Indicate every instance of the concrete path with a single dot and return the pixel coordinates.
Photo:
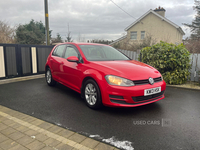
(19, 131)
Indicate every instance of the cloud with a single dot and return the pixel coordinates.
(92, 18)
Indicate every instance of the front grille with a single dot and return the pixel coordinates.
(139, 82)
(157, 79)
(146, 81)
(149, 97)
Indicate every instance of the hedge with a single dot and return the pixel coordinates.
(172, 61)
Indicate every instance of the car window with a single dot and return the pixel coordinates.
(102, 53)
(70, 51)
(59, 50)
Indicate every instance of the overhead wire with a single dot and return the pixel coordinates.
(123, 9)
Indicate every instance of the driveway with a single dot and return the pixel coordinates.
(172, 123)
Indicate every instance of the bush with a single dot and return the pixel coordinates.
(172, 61)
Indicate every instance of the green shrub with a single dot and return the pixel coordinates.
(172, 61)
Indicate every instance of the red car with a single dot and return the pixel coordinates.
(103, 75)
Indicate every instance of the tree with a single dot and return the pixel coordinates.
(6, 33)
(101, 41)
(192, 45)
(69, 37)
(58, 39)
(31, 33)
(195, 26)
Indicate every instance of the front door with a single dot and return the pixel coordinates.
(72, 70)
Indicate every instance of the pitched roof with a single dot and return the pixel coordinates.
(121, 38)
(161, 17)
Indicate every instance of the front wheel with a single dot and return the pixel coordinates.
(92, 94)
(50, 81)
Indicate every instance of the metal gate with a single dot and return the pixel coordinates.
(22, 60)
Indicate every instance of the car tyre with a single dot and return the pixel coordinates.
(50, 81)
(92, 94)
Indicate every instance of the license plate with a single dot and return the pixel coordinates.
(152, 91)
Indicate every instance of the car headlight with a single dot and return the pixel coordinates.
(114, 80)
(162, 77)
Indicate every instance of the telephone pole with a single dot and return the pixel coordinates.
(46, 22)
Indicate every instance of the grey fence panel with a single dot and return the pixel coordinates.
(128, 53)
(195, 67)
(11, 63)
(192, 57)
(198, 68)
(43, 53)
(26, 60)
(135, 55)
(132, 54)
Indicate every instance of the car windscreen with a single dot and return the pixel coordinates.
(102, 53)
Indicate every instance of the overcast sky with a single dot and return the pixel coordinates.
(93, 19)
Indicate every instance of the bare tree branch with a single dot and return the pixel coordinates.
(7, 33)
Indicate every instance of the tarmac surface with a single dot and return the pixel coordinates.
(19, 131)
(172, 123)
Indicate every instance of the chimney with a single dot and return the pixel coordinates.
(160, 11)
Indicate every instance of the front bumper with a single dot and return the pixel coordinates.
(118, 96)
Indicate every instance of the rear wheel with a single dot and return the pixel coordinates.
(50, 81)
(92, 94)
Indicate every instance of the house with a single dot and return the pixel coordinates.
(153, 24)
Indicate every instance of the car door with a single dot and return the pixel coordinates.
(72, 70)
(57, 62)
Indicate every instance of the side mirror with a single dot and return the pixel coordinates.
(73, 59)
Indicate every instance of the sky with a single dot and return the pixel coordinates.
(93, 19)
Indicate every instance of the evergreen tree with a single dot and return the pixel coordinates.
(58, 39)
(31, 33)
(69, 37)
(195, 26)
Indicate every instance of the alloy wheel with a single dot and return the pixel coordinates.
(48, 76)
(90, 94)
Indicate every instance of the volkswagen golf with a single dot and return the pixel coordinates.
(103, 75)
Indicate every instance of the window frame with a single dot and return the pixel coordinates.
(132, 32)
(142, 35)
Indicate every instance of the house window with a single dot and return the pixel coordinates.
(142, 35)
(134, 35)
